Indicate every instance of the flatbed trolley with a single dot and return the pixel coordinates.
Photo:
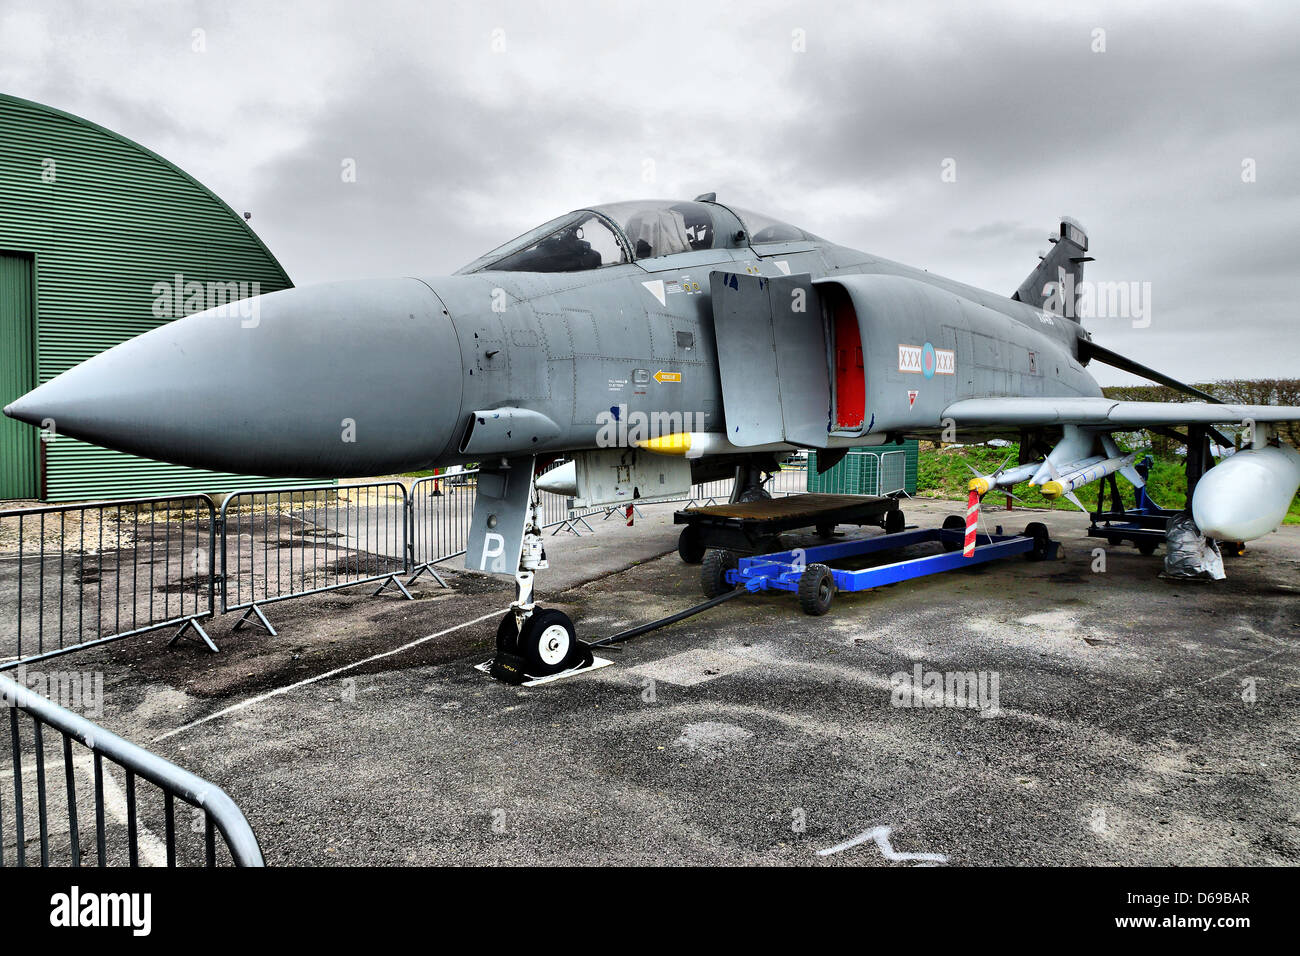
(754, 527)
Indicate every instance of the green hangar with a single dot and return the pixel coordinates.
(100, 240)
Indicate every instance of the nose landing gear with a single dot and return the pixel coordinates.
(533, 641)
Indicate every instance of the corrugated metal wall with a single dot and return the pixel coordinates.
(109, 221)
(17, 375)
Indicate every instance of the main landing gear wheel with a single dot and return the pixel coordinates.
(895, 521)
(954, 523)
(816, 589)
(713, 572)
(689, 546)
(1038, 531)
(753, 494)
(548, 643)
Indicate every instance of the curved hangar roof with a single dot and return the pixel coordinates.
(117, 240)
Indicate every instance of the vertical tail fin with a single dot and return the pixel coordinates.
(1054, 283)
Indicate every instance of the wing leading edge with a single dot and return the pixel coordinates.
(1108, 412)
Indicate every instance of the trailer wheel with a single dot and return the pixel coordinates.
(816, 589)
(1038, 531)
(548, 643)
(1147, 547)
(713, 571)
(689, 546)
(954, 523)
(895, 521)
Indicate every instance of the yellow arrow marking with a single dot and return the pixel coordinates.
(661, 376)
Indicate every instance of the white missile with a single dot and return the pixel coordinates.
(562, 480)
(1247, 494)
(1003, 478)
(1071, 480)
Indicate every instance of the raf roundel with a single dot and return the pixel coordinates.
(927, 360)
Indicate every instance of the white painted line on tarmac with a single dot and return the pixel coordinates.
(328, 674)
(881, 836)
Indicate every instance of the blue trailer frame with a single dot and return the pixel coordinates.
(783, 570)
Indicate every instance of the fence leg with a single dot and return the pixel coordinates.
(192, 622)
(392, 582)
(260, 621)
(433, 571)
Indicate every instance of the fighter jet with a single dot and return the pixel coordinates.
(653, 343)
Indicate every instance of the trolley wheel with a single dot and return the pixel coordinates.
(689, 546)
(508, 635)
(1147, 547)
(713, 571)
(896, 521)
(954, 523)
(1038, 531)
(816, 589)
(548, 643)
(826, 531)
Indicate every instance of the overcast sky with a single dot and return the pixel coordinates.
(471, 122)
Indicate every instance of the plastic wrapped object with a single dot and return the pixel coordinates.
(1190, 554)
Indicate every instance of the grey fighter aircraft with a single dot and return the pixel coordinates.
(654, 343)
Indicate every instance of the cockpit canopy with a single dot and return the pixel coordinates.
(619, 233)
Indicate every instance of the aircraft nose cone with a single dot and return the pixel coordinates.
(346, 379)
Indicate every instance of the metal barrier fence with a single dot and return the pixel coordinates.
(122, 814)
(281, 544)
(891, 475)
(82, 575)
(85, 574)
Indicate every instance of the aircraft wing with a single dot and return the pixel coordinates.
(1109, 412)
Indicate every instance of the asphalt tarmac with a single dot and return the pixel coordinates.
(1083, 717)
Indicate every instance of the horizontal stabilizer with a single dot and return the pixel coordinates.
(1089, 350)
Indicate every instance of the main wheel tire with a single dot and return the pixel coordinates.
(954, 523)
(816, 589)
(753, 494)
(895, 521)
(508, 635)
(548, 643)
(1038, 531)
(689, 546)
(713, 571)
(1147, 547)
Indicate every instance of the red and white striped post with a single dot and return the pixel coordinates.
(972, 521)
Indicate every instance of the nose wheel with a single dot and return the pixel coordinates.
(548, 643)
